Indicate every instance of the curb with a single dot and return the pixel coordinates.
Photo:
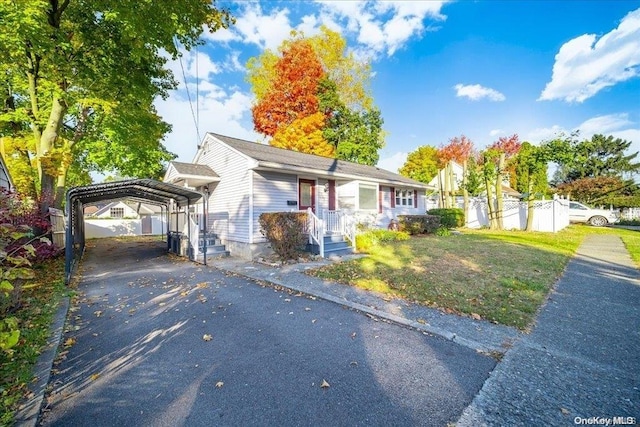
(28, 413)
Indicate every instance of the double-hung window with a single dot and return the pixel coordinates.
(404, 198)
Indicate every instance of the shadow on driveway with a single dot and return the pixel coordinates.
(137, 352)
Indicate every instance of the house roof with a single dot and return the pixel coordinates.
(191, 174)
(194, 169)
(269, 157)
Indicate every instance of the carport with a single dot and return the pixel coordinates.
(172, 197)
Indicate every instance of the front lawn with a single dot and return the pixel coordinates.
(502, 276)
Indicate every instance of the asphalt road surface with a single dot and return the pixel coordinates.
(154, 340)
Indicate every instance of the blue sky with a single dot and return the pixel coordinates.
(484, 69)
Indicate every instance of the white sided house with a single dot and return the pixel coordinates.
(242, 179)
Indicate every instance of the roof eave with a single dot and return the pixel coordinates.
(318, 172)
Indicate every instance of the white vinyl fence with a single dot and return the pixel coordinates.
(630, 213)
(549, 215)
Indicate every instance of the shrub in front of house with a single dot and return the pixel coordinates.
(286, 232)
(365, 241)
(419, 224)
(450, 218)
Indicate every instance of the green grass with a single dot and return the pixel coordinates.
(38, 304)
(502, 276)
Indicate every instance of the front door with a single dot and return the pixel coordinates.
(307, 194)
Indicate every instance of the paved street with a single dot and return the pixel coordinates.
(156, 340)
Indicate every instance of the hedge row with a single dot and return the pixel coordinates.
(450, 218)
(419, 224)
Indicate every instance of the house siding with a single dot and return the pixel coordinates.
(229, 201)
(391, 211)
(171, 174)
(271, 191)
(322, 204)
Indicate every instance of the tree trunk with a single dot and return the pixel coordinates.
(530, 205)
(47, 167)
(440, 190)
(490, 208)
(447, 186)
(499, 199)
(452, 184)
(465, 193)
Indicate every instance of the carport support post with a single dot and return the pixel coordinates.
(205, 209)
(188, 219)
(68, 245)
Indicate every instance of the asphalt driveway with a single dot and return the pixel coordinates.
(156, 340)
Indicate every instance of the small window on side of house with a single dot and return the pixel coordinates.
(116, 213)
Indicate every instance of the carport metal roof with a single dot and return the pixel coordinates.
(145, 189)
(151, 190)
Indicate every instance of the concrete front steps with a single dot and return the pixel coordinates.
(215, 249)
(334, 245)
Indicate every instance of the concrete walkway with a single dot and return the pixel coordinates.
(582, 359)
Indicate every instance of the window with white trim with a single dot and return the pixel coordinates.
(116, 212)
(404, 198)
(367, 197)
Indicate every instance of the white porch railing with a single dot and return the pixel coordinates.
(342, 223)
(316, 230)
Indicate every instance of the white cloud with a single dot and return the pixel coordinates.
(496, 132)
(478, 92)
(584, 66)
(232, 62)
(264, 30)
(544, 134)
(618, 125)
(223, 35)
(604, 124)
(383, 26)
(394, 162)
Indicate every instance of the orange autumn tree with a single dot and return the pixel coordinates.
(304, 135)
(458, 150)
(293, 92)
(308, 75)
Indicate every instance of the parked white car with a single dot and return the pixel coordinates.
(596, 217)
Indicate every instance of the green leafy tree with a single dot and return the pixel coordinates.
(590, 158)
(421, 164)
(80, 79)
(531, 175)
(475, 180)
(357, 135)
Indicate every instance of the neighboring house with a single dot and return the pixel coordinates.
(117, 209)
(124, 217)
(245, 179)
(5, 178)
